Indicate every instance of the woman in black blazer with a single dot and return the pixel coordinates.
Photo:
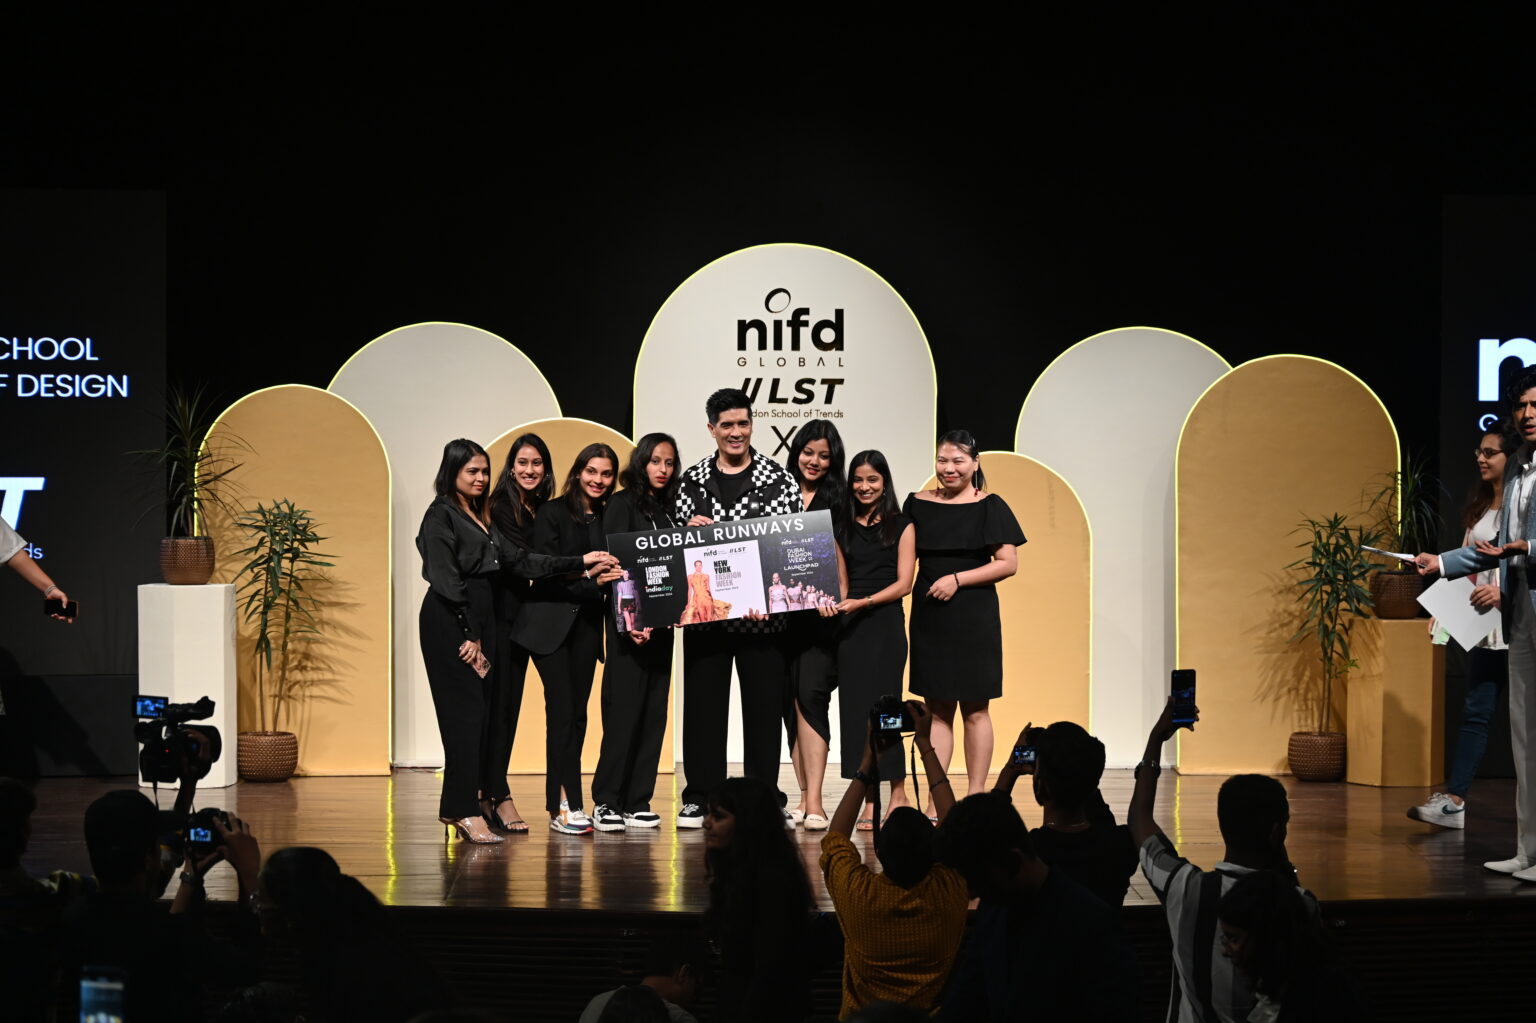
(561, 624)
(527, 481)
(637, 675)
(462, 553)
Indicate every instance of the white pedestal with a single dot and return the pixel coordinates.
(187, 651)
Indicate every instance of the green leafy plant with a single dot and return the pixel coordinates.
(282, 564)
(1406, 508)
(1332, 592)
(196, 476)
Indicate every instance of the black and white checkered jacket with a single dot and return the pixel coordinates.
(770, 491)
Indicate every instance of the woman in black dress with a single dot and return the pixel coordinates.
(881, 555)
(524, 485)
(462, 645)
(561, 624)
(817, 465)
(637, 676)
(967, 541)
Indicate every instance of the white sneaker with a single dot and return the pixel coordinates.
(690, 816)
(565, 823)
(816, 822)
(1441, 809)
(1513, 865)
(643, 819)
(605, 818)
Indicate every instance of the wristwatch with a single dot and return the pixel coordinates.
(862, 778)
(1152, 764)
(190, 877)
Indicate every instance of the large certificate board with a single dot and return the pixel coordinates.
(693, 574)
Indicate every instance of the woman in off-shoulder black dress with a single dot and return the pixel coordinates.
(967, 541)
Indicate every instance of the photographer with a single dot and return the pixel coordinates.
(901, 928)
(1079, 835)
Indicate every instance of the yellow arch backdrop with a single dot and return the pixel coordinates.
(313, 448)
(566, 438)
(1047, 606)
(1272, 442)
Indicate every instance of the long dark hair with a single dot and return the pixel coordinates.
(456, 455)
(1480, 498)
(835, 483)
(507, 488)
(760, 860)
(637, 479)
(963, 440)
(886, 509)
(570, 491)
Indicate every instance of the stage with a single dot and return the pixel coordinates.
(555, 917)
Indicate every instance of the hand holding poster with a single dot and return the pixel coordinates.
(693, 574)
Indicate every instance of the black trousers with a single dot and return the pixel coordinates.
(461, 698)
(567, 677)
(636, 683)
(871, 655)
(501, 722)
(708, 654)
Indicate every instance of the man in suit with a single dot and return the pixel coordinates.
(736, 482)
(1511, 550)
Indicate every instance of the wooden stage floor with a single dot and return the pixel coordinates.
(1350, 843)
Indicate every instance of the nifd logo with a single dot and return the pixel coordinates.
(803, 344)
(15, 489)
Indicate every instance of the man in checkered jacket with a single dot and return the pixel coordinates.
(735, 482)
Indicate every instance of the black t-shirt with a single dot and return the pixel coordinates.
(1101, 857)
(731, 485)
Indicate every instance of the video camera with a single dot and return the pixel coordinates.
(890, 716)
(172, 751)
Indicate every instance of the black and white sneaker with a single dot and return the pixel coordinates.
(605, 818)
(691, 816)
(642, 819)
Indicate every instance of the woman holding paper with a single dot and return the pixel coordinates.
(638, 674)
(1511, 552)
(1488, 662)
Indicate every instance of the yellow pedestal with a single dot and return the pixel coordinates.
(1396, 705)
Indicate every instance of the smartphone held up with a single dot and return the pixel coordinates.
(1183, 690)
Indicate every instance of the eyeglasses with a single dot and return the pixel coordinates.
(1487, 453)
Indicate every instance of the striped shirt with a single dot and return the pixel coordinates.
(899, 943)
(1207, 987)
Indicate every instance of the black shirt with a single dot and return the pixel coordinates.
(731, 485)
(1101, 859)
(871, 565)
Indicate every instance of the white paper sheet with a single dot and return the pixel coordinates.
(1450, 601)
(1388, 554)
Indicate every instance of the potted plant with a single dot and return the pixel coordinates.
(196, 478)
(1332, 592)
(277, 600)
(1407, 511)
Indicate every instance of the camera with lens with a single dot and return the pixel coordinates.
(171, 749)
(890, 716)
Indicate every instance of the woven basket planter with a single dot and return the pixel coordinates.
(1316, 756)
(268, 756)
(1395, 595)
(186, 560)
